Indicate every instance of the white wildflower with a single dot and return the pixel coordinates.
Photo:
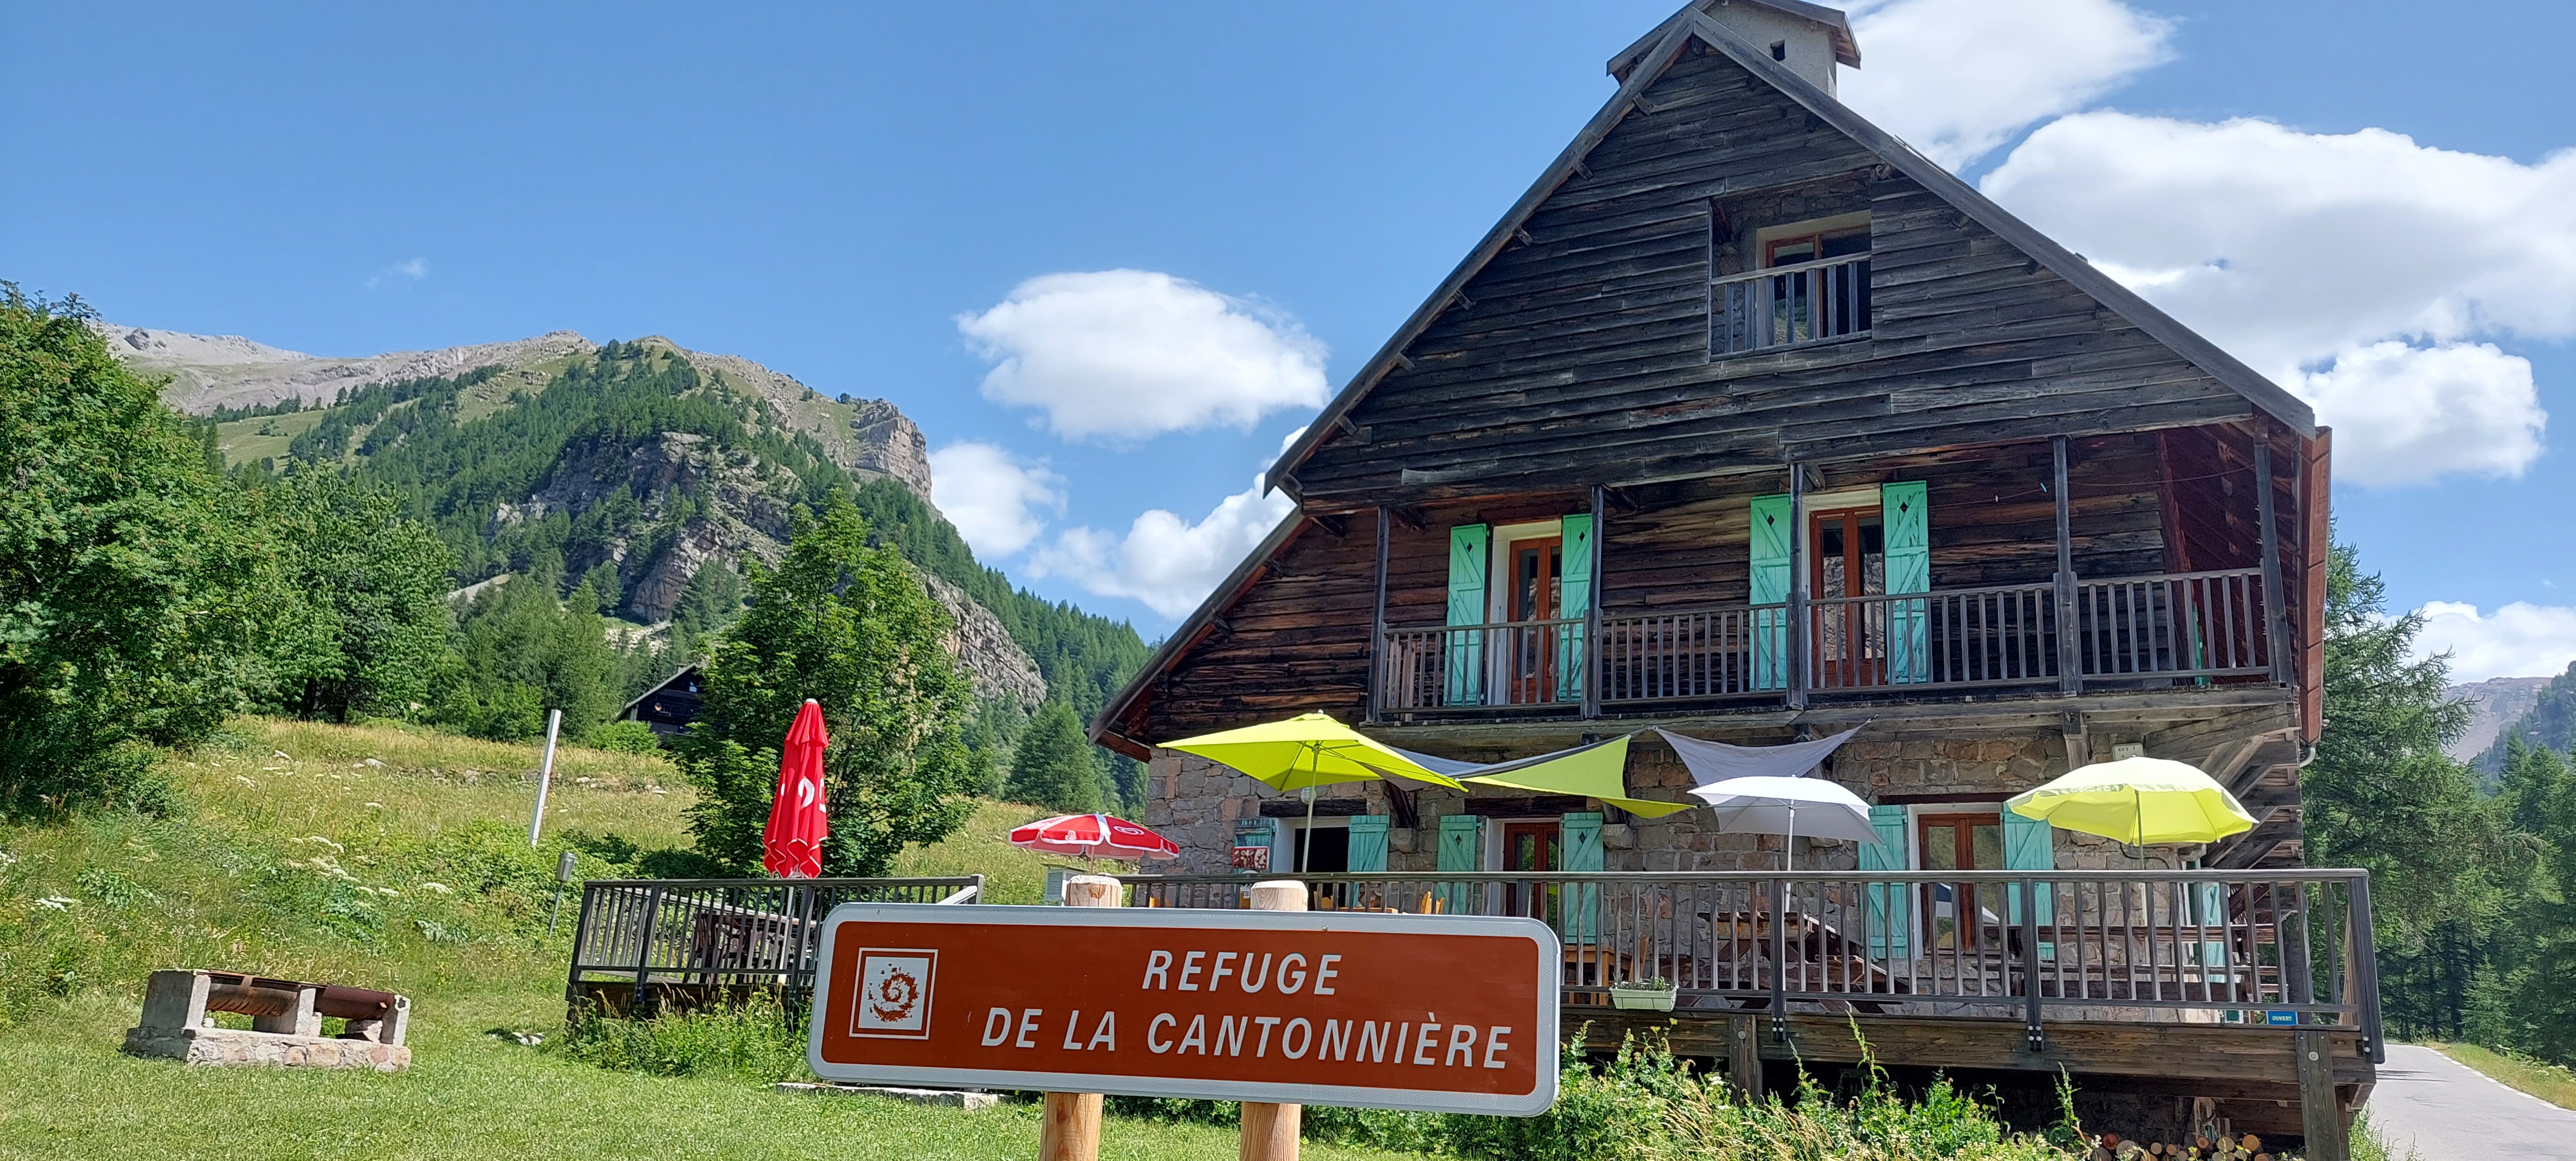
(440, 888)
(375, 762)
(376, 806)
(6, 858)
(281, 755)
(56, 902)
(244, 779)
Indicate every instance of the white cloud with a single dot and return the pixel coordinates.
(409, 271)
(2409, 415)
(1165, 561)
(1122, 355)
(2350, 268)
(993, 499)
(1956, 78)
(2517, 640)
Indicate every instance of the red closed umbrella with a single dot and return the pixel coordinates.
(1094, 836)
(791, 846)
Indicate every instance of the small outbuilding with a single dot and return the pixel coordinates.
(670, 706)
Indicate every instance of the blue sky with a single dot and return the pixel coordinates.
(932, 203)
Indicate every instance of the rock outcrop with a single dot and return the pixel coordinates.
(994, 664)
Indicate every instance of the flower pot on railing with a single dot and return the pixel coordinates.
(1644, 995)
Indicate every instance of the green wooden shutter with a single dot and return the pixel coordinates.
(1461, 849)
(2030, 845)
(2209, 908)
(1580, 848)
(1906, 515)
(1773, 540)
(1368, 844)
(1891, 905)
(1468, 553)
(1574, 599)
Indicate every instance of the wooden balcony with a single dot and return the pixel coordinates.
(1789, 306)
(2099, 634)
(2222, 949)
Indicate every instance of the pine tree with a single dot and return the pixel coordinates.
(849, 626)
(1052, 765)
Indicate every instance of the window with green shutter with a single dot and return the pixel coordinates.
(2030, 845)
(1905, 514)
(1368, 844)
(1774, 539)
(1580, 847)
(1461, 849)
(1469, 546)
(1891, 905)
(1574, 600)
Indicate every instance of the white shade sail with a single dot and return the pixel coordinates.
(1769, 804)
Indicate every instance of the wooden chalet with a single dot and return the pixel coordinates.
(1749, 422)
(670, 706)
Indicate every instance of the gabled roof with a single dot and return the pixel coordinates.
(1667, 43)
(658, 687)
(1190, 631)
(1846, 50)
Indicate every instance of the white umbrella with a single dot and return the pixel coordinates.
(1769, 804)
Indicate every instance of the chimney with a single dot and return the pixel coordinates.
(1807, 39)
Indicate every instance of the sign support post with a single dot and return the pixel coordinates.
(545, 776)
(1270, 1130)
(1070, 1130)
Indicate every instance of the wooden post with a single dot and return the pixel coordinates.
(1071, 1130)
(2320, 1110)
(1377, 626)
(2275, 608)
(1591, 651)
(1270, 1131)
(1744, 1057)
(2070, 654)
(1799, 677)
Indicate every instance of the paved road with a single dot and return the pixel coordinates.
(2446, 1111)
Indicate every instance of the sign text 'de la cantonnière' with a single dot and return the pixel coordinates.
(1430, 1012)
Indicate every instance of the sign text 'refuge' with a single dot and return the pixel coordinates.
(1398, 1011)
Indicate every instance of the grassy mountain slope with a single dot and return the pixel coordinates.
(649, 461)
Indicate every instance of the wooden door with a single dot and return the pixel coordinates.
(1847, 558)
(1531, 846)
(1536, 595)
(1954, 917)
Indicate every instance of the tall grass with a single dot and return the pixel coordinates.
(1644, 1104)
(756, 1040)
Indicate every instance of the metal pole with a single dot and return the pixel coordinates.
(563, 874)
(545, 775)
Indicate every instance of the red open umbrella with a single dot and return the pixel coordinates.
(1094, 836)
(791, 846)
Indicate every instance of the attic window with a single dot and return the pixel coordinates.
(1779, 50)
(1812, 286)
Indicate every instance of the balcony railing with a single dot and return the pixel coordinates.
(727, 932)
(1787, 306)
(2186, 627)
(2258, 947)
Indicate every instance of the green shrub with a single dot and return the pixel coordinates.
(754, 1040)
(625, 737)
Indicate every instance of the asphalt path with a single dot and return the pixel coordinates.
(2443, 1110)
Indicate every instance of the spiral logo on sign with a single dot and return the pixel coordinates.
(894, 995)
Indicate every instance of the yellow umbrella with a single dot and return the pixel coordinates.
(2137, 801)
(1305, 752)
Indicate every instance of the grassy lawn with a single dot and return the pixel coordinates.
(394, 857)
(65, 1092)
(2549, 1082)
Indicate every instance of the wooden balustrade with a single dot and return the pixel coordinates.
(2218, 947)
(2182, 627)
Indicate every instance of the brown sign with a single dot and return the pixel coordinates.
(1440, 1013)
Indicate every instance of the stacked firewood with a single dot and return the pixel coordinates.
(2206, 1148)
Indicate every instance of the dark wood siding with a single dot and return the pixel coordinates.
(1581, 355)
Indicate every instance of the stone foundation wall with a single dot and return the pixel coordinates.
(235, 1046)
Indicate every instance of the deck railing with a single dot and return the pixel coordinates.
(2178, 627)
(1787, 306)
(727, 932)
(2221, 947)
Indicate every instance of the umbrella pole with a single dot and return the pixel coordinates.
(1307, 857)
